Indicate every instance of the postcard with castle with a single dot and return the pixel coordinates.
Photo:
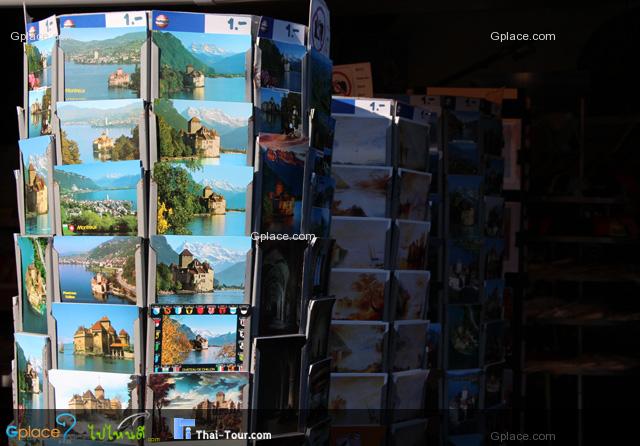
(97, 269)
(202, 56)
(280, 112)
(201, 270)
(32, 358)
(102, 55)
(96, 337)
(34, 281)
(39, 112)
(464, 270)
(35, 157)
(463, 336)
(464, 205)
(463, 400)
(280, 63)
(39, 54)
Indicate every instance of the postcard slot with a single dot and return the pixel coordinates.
(140, 273)
(257, 284)
(143, 146)
(144, 67)
(141, 214)
(361, 417)
(60, 74)
(151, 275)
(152, 149)
(55, 275)
(153, 206)
(22, 121)
(15, 310)
(25, 87)
(20, 198)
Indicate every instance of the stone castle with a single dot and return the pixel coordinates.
(193, 274)
(37, 199)
(101, 339)
(192, 78)
(205, 141)
(214, 203)
(205, 410)
(119, 79)
(94, 401)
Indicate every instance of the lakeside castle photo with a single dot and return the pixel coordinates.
(101, 340)
(94, 401)
(192, 274)
(36, 192)
(31, 379)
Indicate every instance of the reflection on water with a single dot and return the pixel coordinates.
(37, 225)
(69, 361)
(217, 297)
(83, 82)
(208, 356)
(232, 223)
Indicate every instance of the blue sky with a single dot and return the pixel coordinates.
(229, 242)
(70, 382)
(31, 345)
(233, 109)
(236, 175)
(89, 34)
(96, 171)
(36, 95)
(34, 146)
(191, 388)
(72, 245)
(218, 324)
(289, 50)
(70, 316)
(233, 44)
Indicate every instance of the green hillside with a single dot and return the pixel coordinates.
(165, 109)
(174, 55)
(67, 180)
(116, 247)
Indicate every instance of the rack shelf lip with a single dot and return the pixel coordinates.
(591, 240)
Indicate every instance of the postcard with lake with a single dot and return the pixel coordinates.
(360, 391)
(39, 112)
(361, 191)
(32, 354)
(36, 159)
(96, 337)
(361, 141)
(280, 64)
(464, 208)
(97, 269)
(357, 346)
(33, 271)
(39, 55)
(201, 58)
(413, 195)
(99, 198)
(462, 395)
(360, 242)
(96, 131)
(201, 199)
(280, 112)
(207, 131)
(360, 294)
(102, 55)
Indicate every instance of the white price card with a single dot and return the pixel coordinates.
(125, 19)
(227, 24)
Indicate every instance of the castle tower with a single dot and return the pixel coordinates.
(220, 399)
(99, 392)
(185, 258)
(32, 174)
(124, 338)
(194, 125)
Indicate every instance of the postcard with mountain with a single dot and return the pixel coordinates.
(34, 154)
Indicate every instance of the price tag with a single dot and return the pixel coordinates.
(365, 106)
(287, 32)
(227, 24)
(125, 19)
(43, 29)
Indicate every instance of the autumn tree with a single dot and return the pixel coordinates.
(175, 344)
(70, 150)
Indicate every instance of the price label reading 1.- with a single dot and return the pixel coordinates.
(226, 24)
(368, 106)
(288, 32)
(47, 28)
(125, 19)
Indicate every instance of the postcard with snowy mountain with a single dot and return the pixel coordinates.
(35, 154)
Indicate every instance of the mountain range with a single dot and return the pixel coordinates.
(72, 182)
(233, 131)
(116, 247)
(40, 162)
(125, 43)
(214, 339)
(217, 256)
(72, 114)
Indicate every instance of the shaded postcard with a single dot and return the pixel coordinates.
(320, 222)
(413, 145)
(322, 191)
(409, 345)
(494, 173)
(464, 205)
(463, 158)
(463, 400)
(434, 342)
(202, 200)
(359, 242)
(35, 278)
(492, 135)
(357, 346)
(215, 400)
(96, 131)
(39, 112)
(409, 433)
(35, 154)
(464, 125)
(96, 337)
(32, 357)
(278, 359)
(463, 336)
(95, 399)
(357, 396)
(408, 393)
(320, 81)
(279, 65)
(99, 198)
(280, 112)
(39, 54)
(318, 383)
(317, 329)
(361, 191)
(411, 244)
(211, 132)
(97, 269)
(360, 140)
(435, 167)
(493, 300)
(280, 281)
(360, 294)
(493, 257)
(322, 132)
(413, 195)
(199, 337)
(201, 58)
(319, 266)
(102, 55)
(282, 163)
(493, 386)
(494, 342)
(411, 294)
(494, 217)
(201, 270)
(464, 270)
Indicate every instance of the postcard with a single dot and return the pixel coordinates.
(280, 112)
(464, 205)
(280, 65)
(413, 194)
(322, 191)
(493, 175)
(359, 242)
(39, 112)
(102, 55)
(278, 360)
(357, 346)
(202, 200)
(96, 131)
(434, 339)
(360, 294)
(411, 244)
(96, 337)
(361, 191)
(360, 140)
(319, 265)
(201, 270)
(464, 271)
(409, 433)
(39, 54)
(32, 357)
(280, 275)
(322, 131)
(319, 434)
(463, 336)
(318, 382)
(202, 58)
(320, 222)
(493, 302)
(463, 125)
(35, 154)
(494, 342)
(317, 329)
(282, 161)
(211, 132)
(494, 255)
(215, 400)
(411, 294)
(95, 399)
(99, 198)
(463, 400)
(463, 158)
(199, 337)
(320, 81)
(363, 392)
(413, 145)
(97, 269)
(493, 386)
(409, 345)
(494, 217)
(34, 274)
(408, 392)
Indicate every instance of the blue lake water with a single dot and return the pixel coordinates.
(230, 89)
(69, 361)
(33, 400)
(85, 134)
(77, 278)
(32, 320)
(217, 297)
(208, 356)
(232, 223)
(35, 127)
(113, 194)
(93, 80)
(286, 225)
(225, 159)
(37, 225)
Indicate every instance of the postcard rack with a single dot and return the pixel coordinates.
(164, 157)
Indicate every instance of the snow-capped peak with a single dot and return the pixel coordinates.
(216, 255)
(208, 48)
(216, 116)
(222, 185)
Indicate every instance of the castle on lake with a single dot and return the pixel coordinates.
(102, 340)
(206, 141)
(192, 78)
(119, 79)
(94, 401)
(282, 202)
(193, 274)
(36, 192)
(214, 203)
